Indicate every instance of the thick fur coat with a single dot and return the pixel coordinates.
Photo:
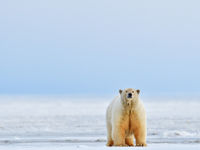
(126, 120)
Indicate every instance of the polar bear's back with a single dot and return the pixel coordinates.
(114, 109)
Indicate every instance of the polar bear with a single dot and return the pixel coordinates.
(126, 119)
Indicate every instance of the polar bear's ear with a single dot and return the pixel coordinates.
(120, 91)
(138, 91)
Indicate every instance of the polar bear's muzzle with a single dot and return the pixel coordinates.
(129, 95)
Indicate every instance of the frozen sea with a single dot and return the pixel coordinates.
(59, 122)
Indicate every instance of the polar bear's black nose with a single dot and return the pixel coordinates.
(129, 95)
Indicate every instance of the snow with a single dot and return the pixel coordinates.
(80, 146)
(56, 122)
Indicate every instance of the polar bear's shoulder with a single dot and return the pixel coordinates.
(116, 101)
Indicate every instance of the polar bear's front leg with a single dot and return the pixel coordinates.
(140, 136)
(119, 136)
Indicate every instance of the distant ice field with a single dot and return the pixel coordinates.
(46, 119)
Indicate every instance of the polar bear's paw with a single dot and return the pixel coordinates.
(121, 145)
(129, 141)
(109, 143)
(141, 144)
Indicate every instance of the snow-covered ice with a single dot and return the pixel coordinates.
(60, 122)
(96, 146)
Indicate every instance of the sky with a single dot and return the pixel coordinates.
(98, 47)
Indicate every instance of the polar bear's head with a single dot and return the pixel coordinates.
(129, 95)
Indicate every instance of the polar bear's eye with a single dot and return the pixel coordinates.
(132, 91)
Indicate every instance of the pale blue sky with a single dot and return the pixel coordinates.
(96, 47)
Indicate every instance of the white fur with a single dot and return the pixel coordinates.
(124, 122)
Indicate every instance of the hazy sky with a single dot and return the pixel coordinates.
(96, 47)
